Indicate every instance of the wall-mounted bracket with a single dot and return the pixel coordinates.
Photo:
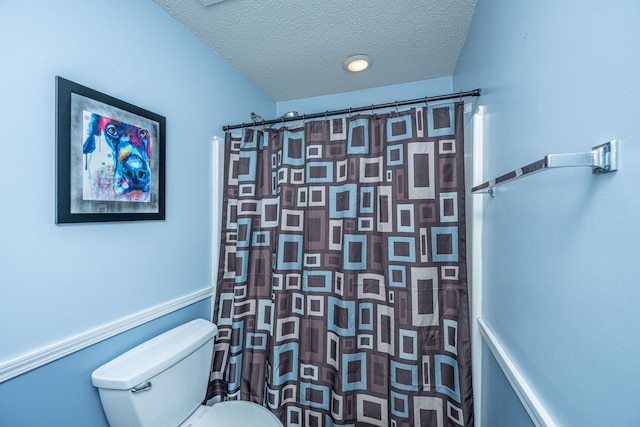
(602, 159)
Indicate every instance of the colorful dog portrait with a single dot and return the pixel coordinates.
(116, 160)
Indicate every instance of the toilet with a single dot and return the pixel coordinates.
(162, 383)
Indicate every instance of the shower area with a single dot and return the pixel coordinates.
(342, 293)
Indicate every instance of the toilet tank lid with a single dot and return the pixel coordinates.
(154, 356)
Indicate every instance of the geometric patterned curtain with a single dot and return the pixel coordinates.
(342, 287)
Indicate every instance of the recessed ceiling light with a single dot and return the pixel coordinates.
(357, 63)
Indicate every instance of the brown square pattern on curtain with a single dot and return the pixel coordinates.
(342, 287)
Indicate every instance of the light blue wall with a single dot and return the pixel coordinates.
(361, 98)
(507, 411)
(59, 281)
(561, 248)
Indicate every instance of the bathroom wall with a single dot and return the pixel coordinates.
(560, 248)
(361, 98)
(59, 281)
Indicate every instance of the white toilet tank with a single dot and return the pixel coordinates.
(161, 381)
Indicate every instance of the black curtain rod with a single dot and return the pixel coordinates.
(475, 92)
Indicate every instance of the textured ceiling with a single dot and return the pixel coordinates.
(293, 49)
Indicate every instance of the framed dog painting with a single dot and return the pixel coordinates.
(110, 158)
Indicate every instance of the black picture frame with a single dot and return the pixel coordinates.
(110, 160)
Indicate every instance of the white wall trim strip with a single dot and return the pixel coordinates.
(525, 393)
(474, 260)
(28, 361)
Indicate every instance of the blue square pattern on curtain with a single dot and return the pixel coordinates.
(342, 287)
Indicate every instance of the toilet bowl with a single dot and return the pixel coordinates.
(232, 413)
(163, 382)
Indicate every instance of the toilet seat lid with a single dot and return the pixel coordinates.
(238, 413)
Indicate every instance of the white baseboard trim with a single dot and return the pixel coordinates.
(28, 361)
(525, 393)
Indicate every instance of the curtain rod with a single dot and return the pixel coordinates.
(426, 99)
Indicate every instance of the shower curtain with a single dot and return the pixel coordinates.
(342, 294)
